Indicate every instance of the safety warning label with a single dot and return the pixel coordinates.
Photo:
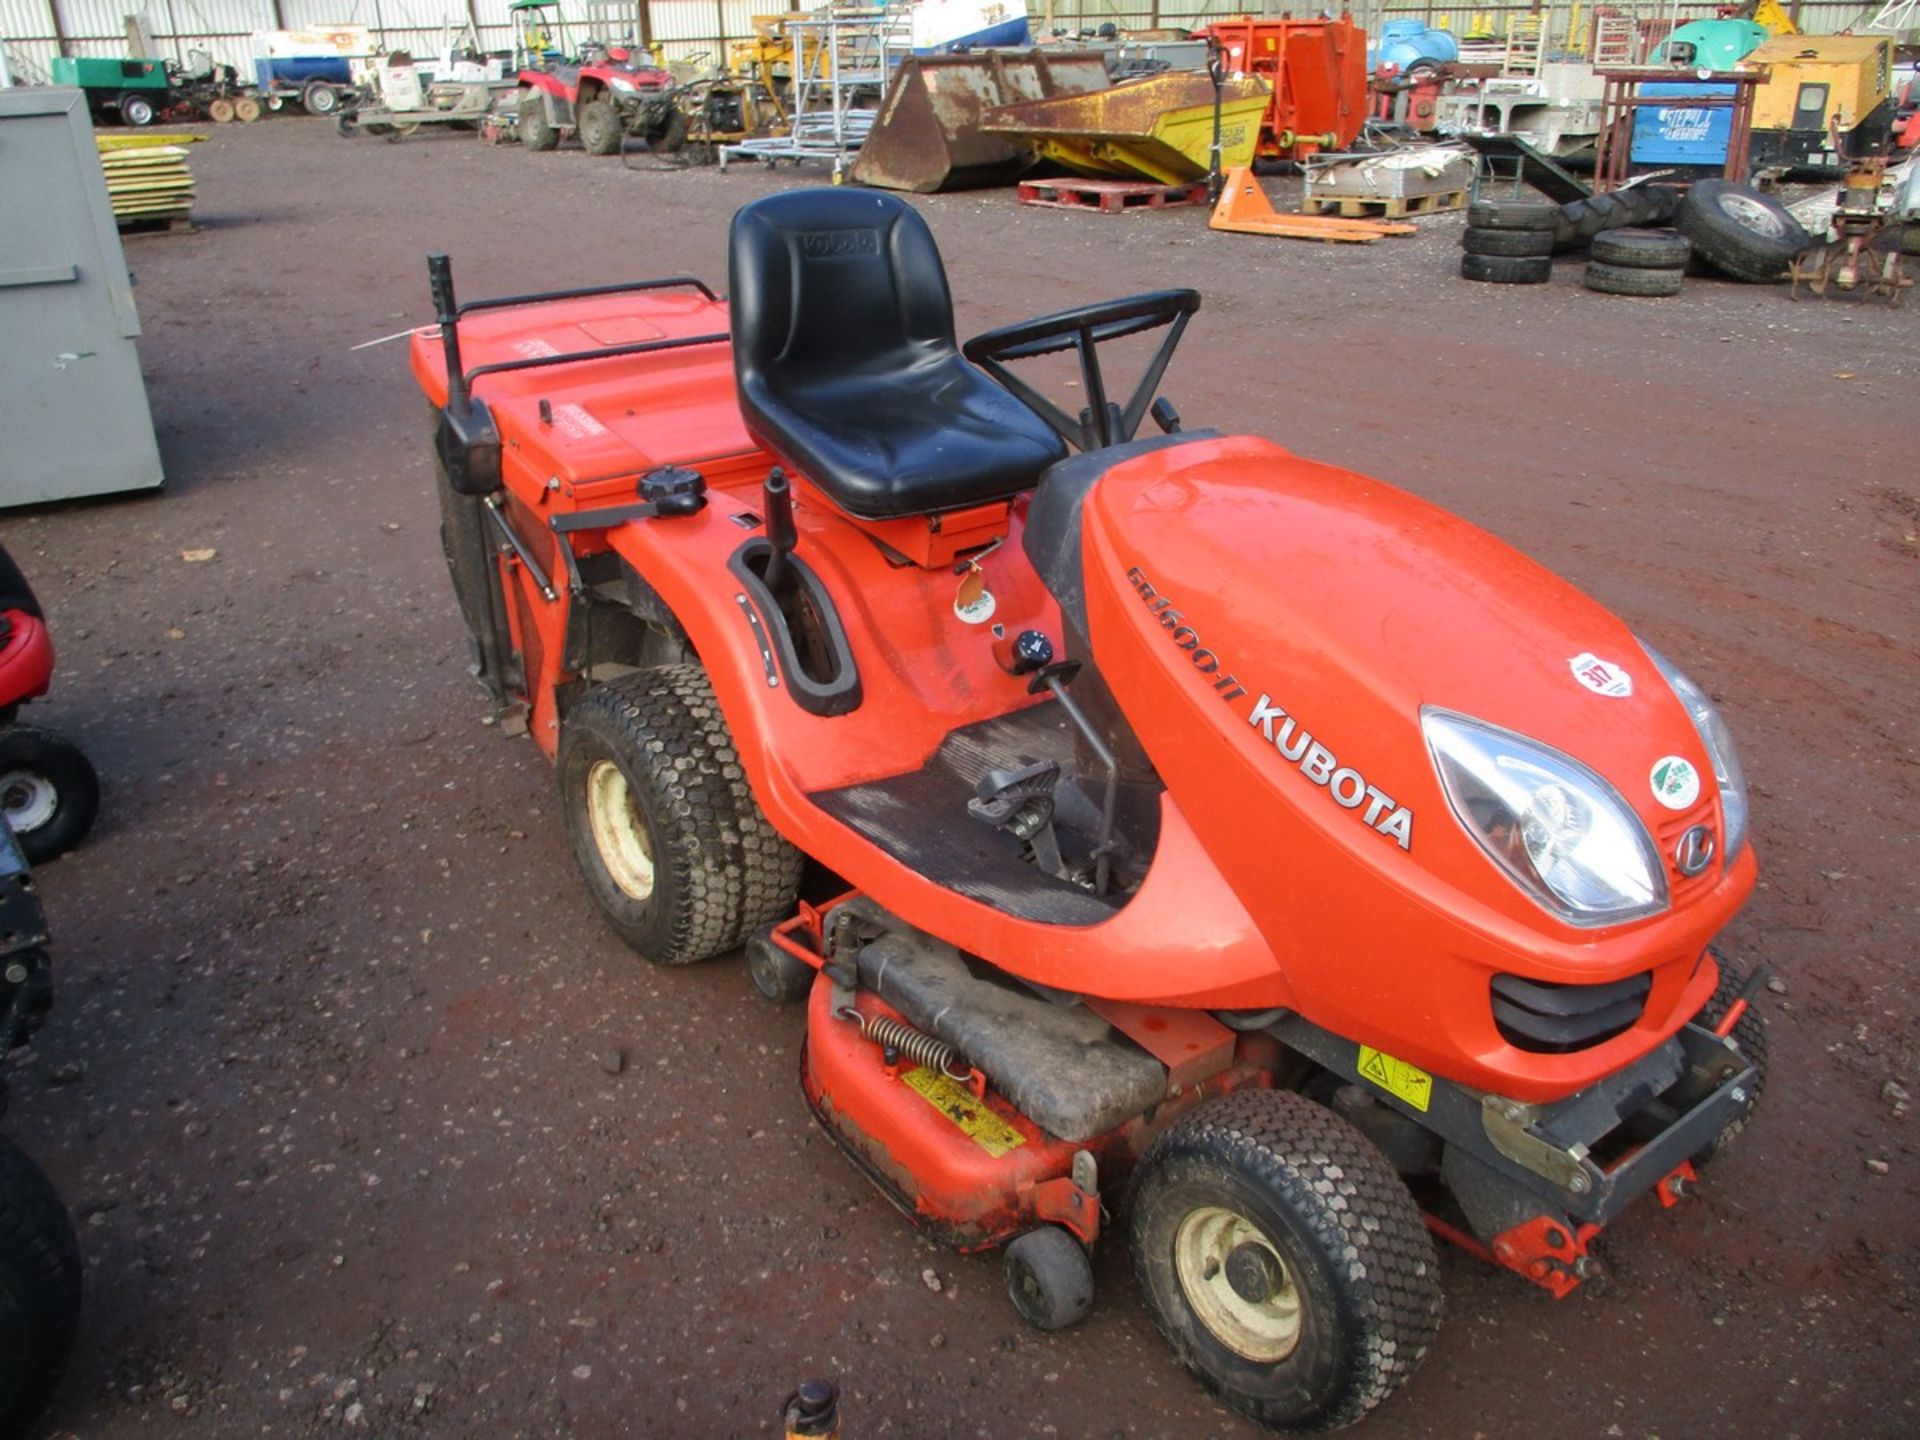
(1408, 1083)
(956, 1102)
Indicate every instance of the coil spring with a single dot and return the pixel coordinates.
(915, 1045)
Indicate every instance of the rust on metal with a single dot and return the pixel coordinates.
(1157, 128)
(928, 135)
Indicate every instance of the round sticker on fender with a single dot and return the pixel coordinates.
(1676, 784)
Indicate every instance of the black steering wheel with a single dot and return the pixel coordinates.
(1084, 329)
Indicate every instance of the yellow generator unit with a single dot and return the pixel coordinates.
(1822, 88)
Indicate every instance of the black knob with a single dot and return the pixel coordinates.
(1032, 651)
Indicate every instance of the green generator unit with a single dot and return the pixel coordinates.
(137, 90)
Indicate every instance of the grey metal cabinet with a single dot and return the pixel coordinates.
(73, 406)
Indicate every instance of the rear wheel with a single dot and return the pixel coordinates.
(39, 1289)
(320, 98)
(599, 127)
(537, 132)
(48, 789)
(668, 835)
(1283, 1260)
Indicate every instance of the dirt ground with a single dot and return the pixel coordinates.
(368, 1124)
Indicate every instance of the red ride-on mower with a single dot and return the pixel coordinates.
(1228, 841)
(47, 786)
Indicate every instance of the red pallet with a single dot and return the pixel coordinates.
(1110, 197)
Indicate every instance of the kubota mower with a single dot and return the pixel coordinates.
(1221, 839)
(48, 788)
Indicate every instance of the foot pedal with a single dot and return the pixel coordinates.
(1020, 802)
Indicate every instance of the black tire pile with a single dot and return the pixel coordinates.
(1734, 229)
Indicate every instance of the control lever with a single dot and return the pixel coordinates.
(777, 503)
(1165, 416)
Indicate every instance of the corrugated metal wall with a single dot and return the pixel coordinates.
(683, 27)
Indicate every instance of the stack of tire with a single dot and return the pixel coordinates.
(1636, 261)
(1509, 242)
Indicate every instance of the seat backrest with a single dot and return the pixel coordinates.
(827, 282)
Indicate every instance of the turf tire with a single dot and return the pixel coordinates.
(1641, 249)
(718, 870)
(50, 791)
(1750, 1034)
(1349, 1239)
(599, 127)
(1740, 231)
(1512, 215)
(1608, 279)
(1507, 242)
(1507, 269)
(39, 1289)
(536, 130)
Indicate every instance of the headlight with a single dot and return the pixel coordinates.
(617, 83)
(1719, 742)
(1559, 830)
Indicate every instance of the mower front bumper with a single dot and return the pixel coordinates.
(1587, 1156)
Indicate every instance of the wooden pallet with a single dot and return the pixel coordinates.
(179, 223)
(1110, 197)
(1392, 207)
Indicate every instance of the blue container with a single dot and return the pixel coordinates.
(1681, 134)
(284, 71)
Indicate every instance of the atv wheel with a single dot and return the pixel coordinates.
(673, 846)
(1049, 1278)
(1750, 236)
(39, 1289)
(599, 127)
(776, 974)
(48, 789)
(1507, 269)
(1632, 280)
(1512, 215)
(1641, 249)
(1750, 1034)
(1507, 242)
(537, 132)
(1283, 1260)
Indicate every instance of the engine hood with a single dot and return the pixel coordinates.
(1275, 627)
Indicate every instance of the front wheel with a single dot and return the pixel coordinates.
(48, 789)
(668, 835)
(599, 127)
(39, 1289)
(1283, 1260)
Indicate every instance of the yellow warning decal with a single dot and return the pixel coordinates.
(956, 1102)
(1404, 1082)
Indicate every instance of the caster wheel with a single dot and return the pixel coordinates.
(776, 974)
(49, 790)
(1049, 1278)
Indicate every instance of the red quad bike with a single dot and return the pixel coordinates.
(1225, 838)
(48, 788)
(599, 101)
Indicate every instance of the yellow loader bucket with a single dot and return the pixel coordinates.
(927, 136)
(1156, 128)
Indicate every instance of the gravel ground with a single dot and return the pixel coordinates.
(368, 1125)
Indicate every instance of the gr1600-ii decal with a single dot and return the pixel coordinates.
(1291, 740)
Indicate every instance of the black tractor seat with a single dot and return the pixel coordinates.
(844, 351)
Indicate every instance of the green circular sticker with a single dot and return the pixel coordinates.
(1676, 784)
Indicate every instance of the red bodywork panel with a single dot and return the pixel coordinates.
(26, 658)
(1347, 602)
